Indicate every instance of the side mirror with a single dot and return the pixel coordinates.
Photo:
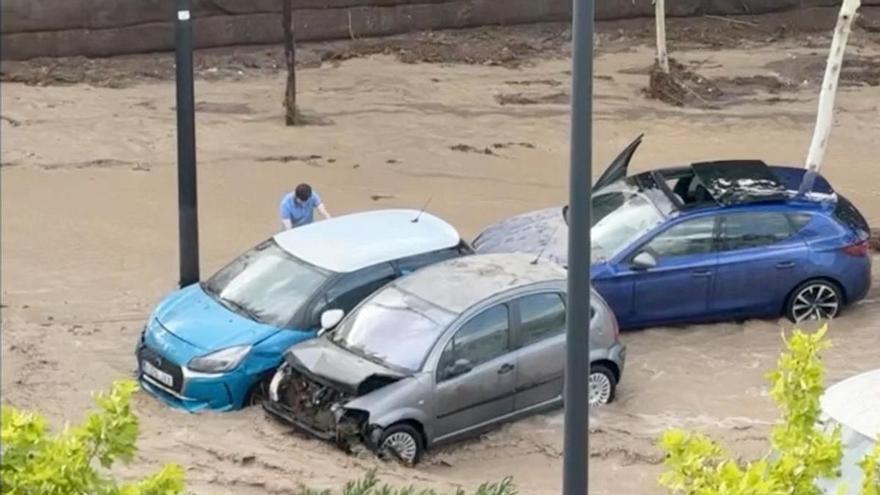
(329, 320)
(460, 367)
(644, 261)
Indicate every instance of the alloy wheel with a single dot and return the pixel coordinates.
(403, 445)
(600, 389)
(816, 301)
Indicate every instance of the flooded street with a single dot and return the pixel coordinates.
(89, 236)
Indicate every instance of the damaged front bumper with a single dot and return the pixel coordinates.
(327, 420)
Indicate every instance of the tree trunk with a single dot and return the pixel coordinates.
(290, 113)
(825, 114)
(660, 18)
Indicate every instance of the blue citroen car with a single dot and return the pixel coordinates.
(213, 345)
(722, 240)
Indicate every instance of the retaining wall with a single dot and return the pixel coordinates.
(98, 28)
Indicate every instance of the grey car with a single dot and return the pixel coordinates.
(441, 354)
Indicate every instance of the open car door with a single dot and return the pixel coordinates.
(618, 168)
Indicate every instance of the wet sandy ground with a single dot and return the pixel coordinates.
(89, 239)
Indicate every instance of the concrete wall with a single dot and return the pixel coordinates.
(98, 28)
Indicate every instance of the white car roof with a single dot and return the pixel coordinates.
(855, 402)
(459, 283)
(348, 243)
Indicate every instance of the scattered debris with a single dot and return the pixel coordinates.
(470, 149)
(307, 159)
(391, 161)
(10, 121)
(875, 239)
(377, 197)
(530, 82)
(682, 87)
(509, 145)
(557, 98)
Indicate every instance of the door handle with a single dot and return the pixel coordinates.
(701, 273)
(506, 368)
(785, 264)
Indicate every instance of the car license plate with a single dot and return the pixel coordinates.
(154, 372)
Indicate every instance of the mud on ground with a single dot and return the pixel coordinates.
(89, 228)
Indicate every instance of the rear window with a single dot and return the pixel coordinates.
(848, 215)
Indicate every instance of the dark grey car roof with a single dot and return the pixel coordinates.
(460, 283)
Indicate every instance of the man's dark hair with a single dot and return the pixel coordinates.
(303, 192)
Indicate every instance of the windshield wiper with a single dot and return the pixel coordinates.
(239, 308)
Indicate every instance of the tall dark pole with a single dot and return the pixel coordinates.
(577, 364)
(186, 147)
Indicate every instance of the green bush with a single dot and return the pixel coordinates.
(75, 461)
(801, 452)
(369, 485)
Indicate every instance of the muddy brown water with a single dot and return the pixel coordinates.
(89, 241)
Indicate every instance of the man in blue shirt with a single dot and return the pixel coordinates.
(298, 207)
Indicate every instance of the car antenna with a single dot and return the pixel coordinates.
(544, 246)
(416, 219)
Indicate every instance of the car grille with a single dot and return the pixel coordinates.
(164, 364)
(309, 402)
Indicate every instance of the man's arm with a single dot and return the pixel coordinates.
(323, 210)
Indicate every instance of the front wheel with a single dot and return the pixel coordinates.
(603, 385)
(258, 394)
(402, 442)
(814, 300)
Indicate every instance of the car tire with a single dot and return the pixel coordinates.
(603, 385)
(258, 394)
(814, 299)
(402, 442)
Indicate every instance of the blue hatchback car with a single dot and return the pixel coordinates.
(213, 345)
(711, 241)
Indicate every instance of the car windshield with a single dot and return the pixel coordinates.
(394, 329)
(266, 284)
(618, 219)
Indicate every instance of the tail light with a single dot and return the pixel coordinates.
(859, 249)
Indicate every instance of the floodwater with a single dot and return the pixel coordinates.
(89, 241)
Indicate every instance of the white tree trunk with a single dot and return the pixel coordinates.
(825, 114)
(660, 18)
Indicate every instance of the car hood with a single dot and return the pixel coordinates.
(195, 317)
(543, 232)
(326, 362)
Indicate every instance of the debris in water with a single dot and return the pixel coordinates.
(682, 87)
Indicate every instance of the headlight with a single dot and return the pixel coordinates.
(220, 361)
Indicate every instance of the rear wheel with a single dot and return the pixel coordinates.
(603, 385)
(814, 300)
(402, 442)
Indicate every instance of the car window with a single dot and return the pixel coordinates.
(354, 287)
(542, 316)
(413, 263)
(483, 338)
(687, 238)
(751, 230)
(847, 214)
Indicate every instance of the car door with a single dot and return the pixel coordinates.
(539, 336)
(466, 398)
(618, 167)
(678, 287)
(759, 261)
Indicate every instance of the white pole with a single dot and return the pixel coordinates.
(825, 114)
(660, 18)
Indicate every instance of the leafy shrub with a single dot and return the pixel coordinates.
(369, 485)
(801, 452)
(75, 461)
